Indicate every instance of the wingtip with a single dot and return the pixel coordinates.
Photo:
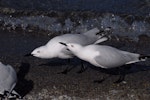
(143, 57)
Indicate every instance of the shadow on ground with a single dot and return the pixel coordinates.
(121, 71)
(24, 86)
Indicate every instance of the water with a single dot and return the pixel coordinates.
(141, 7)
(100, 14)
(54, 25)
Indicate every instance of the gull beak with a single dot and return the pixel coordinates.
(27, 55)
(63, 43)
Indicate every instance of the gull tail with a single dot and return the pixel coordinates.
(143, 57)
(101, 40)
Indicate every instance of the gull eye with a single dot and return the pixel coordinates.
(72, 46)
(38, 51)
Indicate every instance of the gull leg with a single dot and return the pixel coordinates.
(67, 69)
(122, 73)
(83, 68)
(69, 61)
(101, 80)
(121, 78)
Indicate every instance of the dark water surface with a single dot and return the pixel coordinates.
(138, 7)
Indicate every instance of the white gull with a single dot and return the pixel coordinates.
(8, 80)
(53, 49)
(104, 56)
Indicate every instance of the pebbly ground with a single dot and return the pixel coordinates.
(38, 79)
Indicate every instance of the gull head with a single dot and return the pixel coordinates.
(73, 47)
(40, 52)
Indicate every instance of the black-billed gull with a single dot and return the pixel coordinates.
(104, 56)
(53, 49)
